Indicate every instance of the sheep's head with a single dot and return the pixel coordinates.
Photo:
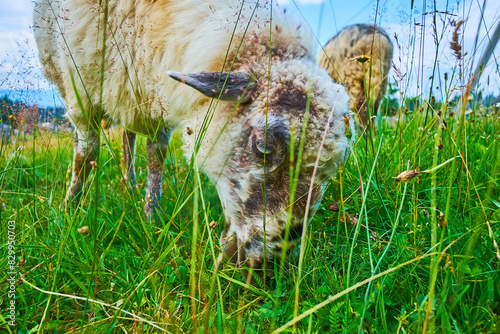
(252, 158)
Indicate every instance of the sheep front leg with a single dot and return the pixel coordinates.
(85, 152)
(128, 156)
(157, 151)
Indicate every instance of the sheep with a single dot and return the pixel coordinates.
(176, 64)
(341, 58)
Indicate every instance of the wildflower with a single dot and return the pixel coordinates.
(362, 58)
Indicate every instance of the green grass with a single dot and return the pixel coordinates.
(440, 222)
(404, 258)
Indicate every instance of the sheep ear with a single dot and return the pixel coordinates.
(228, 86)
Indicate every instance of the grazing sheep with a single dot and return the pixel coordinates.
(263, 88)
(341, 59)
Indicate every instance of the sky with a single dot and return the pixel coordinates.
(21, 71)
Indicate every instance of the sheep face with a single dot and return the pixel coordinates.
(254, 176)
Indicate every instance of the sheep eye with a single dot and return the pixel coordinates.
(259, 148)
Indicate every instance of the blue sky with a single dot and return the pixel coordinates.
(19, 67)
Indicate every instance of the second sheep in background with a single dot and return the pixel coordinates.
(343, 58)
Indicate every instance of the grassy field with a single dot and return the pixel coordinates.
(381, 256)
(407, 257)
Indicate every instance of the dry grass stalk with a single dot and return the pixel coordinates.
(410, 174)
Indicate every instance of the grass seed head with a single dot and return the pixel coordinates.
(105, 124)
(455, 45)
(347, 126)
(353, 219)
(441, 221)
(407, 175)
(334, 206)
(84, 230)
(442, 124)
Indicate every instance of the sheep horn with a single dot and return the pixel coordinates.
(231, 86)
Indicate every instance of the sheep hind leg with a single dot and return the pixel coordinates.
(86, 150)
(128, 157)
(157, 152)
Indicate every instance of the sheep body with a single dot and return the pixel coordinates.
(266, 94)
(340, 59)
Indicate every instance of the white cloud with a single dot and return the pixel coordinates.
(16, 14)
(19, 65)
(418, 50)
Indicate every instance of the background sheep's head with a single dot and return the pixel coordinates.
(248, 152)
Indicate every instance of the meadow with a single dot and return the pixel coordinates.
(404, 241)
(407, 257)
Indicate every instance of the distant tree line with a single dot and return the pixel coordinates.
(22, 115)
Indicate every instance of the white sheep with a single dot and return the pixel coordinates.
(254, 77)
(343, 58)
